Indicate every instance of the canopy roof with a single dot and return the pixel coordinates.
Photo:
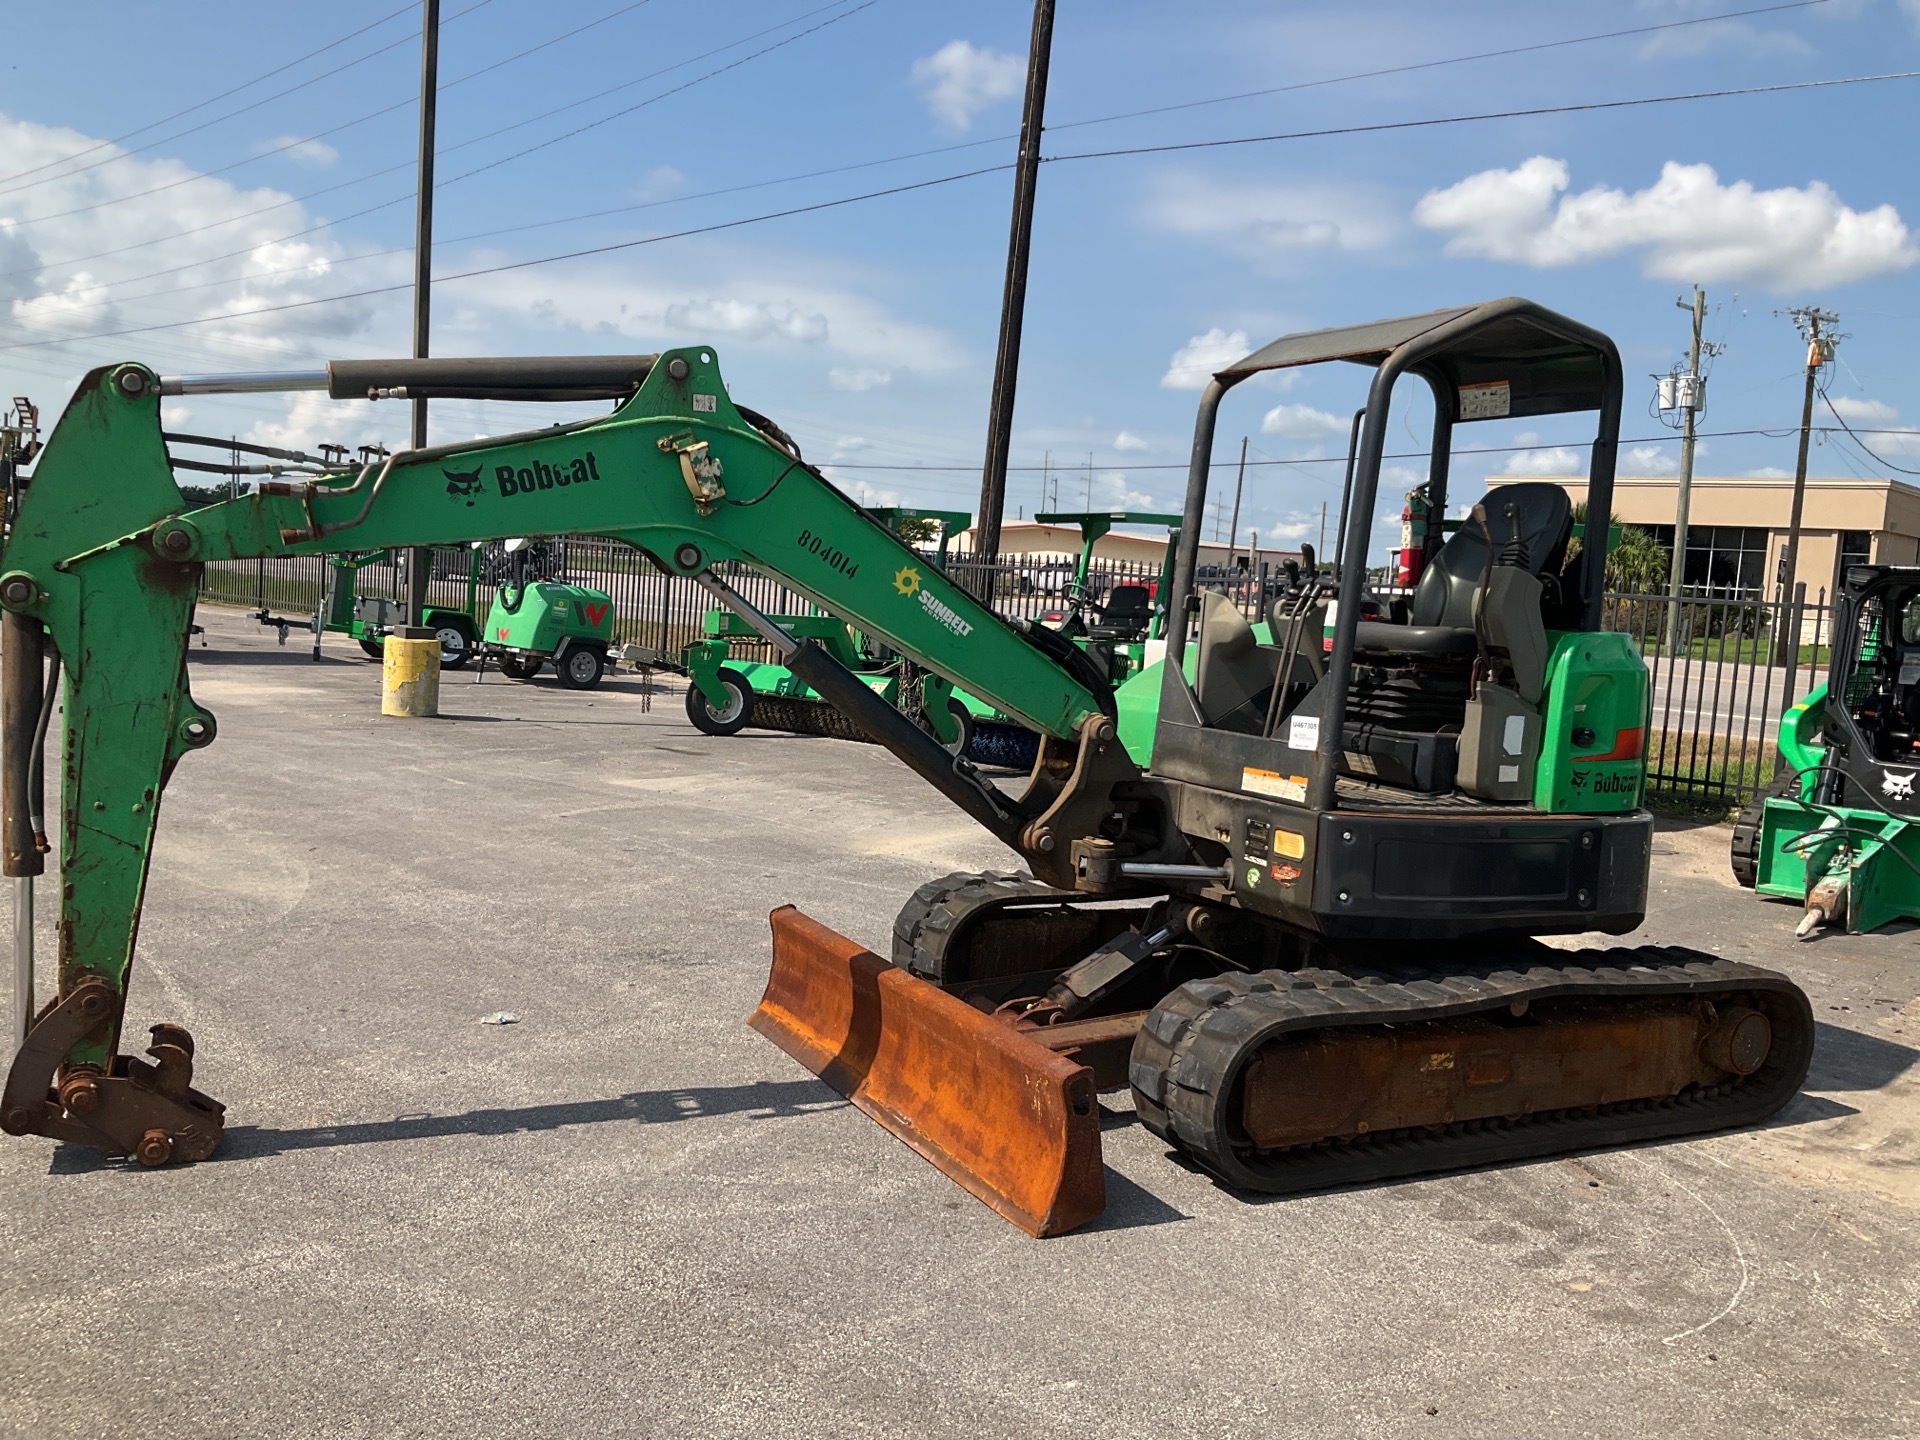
(1547, 363)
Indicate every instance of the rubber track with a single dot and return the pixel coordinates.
(941, 909)
(1744, 852)
(1189, 1055)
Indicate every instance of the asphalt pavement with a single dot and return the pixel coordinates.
(629, 1215)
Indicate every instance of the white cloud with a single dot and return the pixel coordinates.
(1112, 492)
(311, 420)
(661, 180)
(1544, 460)
(1736, 36)
(1876, 412)
(1769, 472)
(1265, 221)
(1195, 362)
(850, 445)
(1650, 460)
(316, 153)
(856, 382)
(1288, 530)
(958, 81)
(747, 319)
(1301, 422)
(1687, 224)
(1127, 441)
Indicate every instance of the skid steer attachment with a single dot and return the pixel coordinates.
(1011, 1120)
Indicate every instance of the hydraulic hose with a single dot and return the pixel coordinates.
(37, 769)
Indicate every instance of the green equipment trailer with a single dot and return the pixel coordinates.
(369, 619)
(1839, 832)
(725, 695)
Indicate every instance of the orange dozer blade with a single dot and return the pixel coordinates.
(1012, 1121)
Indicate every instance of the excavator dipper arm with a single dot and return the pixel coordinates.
(103, 563)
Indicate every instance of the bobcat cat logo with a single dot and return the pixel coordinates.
(462, 484)
(1898, 787)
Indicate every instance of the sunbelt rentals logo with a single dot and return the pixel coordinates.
(907, 581)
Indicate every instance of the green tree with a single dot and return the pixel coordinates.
(917, 530)
(1636, 562)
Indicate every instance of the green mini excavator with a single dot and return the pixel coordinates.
(1305, 936)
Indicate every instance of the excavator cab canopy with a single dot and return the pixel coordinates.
(1498, 360)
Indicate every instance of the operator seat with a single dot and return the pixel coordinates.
(1442, 620)
(1125, 615)
(1482, 598)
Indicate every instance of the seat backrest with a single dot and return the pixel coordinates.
(1127, 605)
(1542, 515)
(1231, 668)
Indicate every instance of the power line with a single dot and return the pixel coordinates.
(218, 119)
(969, 174)
(517, 264)
(387, 204)
(407, 165)
(1486, 115)
(1436, 64)
(1876, 458)
(213, 100)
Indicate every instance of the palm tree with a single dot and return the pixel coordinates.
(1636, 562)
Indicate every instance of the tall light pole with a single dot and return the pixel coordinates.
(1816, 326)
(1013, 302)
(419, 560)
(1691, 397)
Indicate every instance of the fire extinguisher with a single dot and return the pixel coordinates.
(1413, 537)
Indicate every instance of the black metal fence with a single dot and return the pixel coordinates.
(1724, 667)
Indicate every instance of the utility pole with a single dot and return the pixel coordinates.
(1089, 504)
(1233, 537)
(1690, 395)
(1816, 326)
(1013, 302)
(419, 559)
(1323, 531)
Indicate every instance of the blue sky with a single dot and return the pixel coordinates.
(868, 329)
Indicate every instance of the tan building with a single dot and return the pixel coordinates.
(1737, 526)
(1025, 537)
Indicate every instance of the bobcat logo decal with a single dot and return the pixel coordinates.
(462, 485)
(1898, 787)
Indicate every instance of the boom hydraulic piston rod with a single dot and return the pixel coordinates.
(105, 557)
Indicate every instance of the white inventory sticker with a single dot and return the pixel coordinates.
(1514, 739)
(1486, 401)
(1303, 732)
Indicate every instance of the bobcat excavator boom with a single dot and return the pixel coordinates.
(103, 563)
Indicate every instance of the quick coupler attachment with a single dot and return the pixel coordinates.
(148, 1110)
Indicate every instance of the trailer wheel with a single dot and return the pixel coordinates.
(729, 719)
(456, 645)
(581, 667)
(516, 667)
(376, 648)
(963, 718)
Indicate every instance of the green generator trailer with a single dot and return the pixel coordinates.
(1839, 832)
(535, 622)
